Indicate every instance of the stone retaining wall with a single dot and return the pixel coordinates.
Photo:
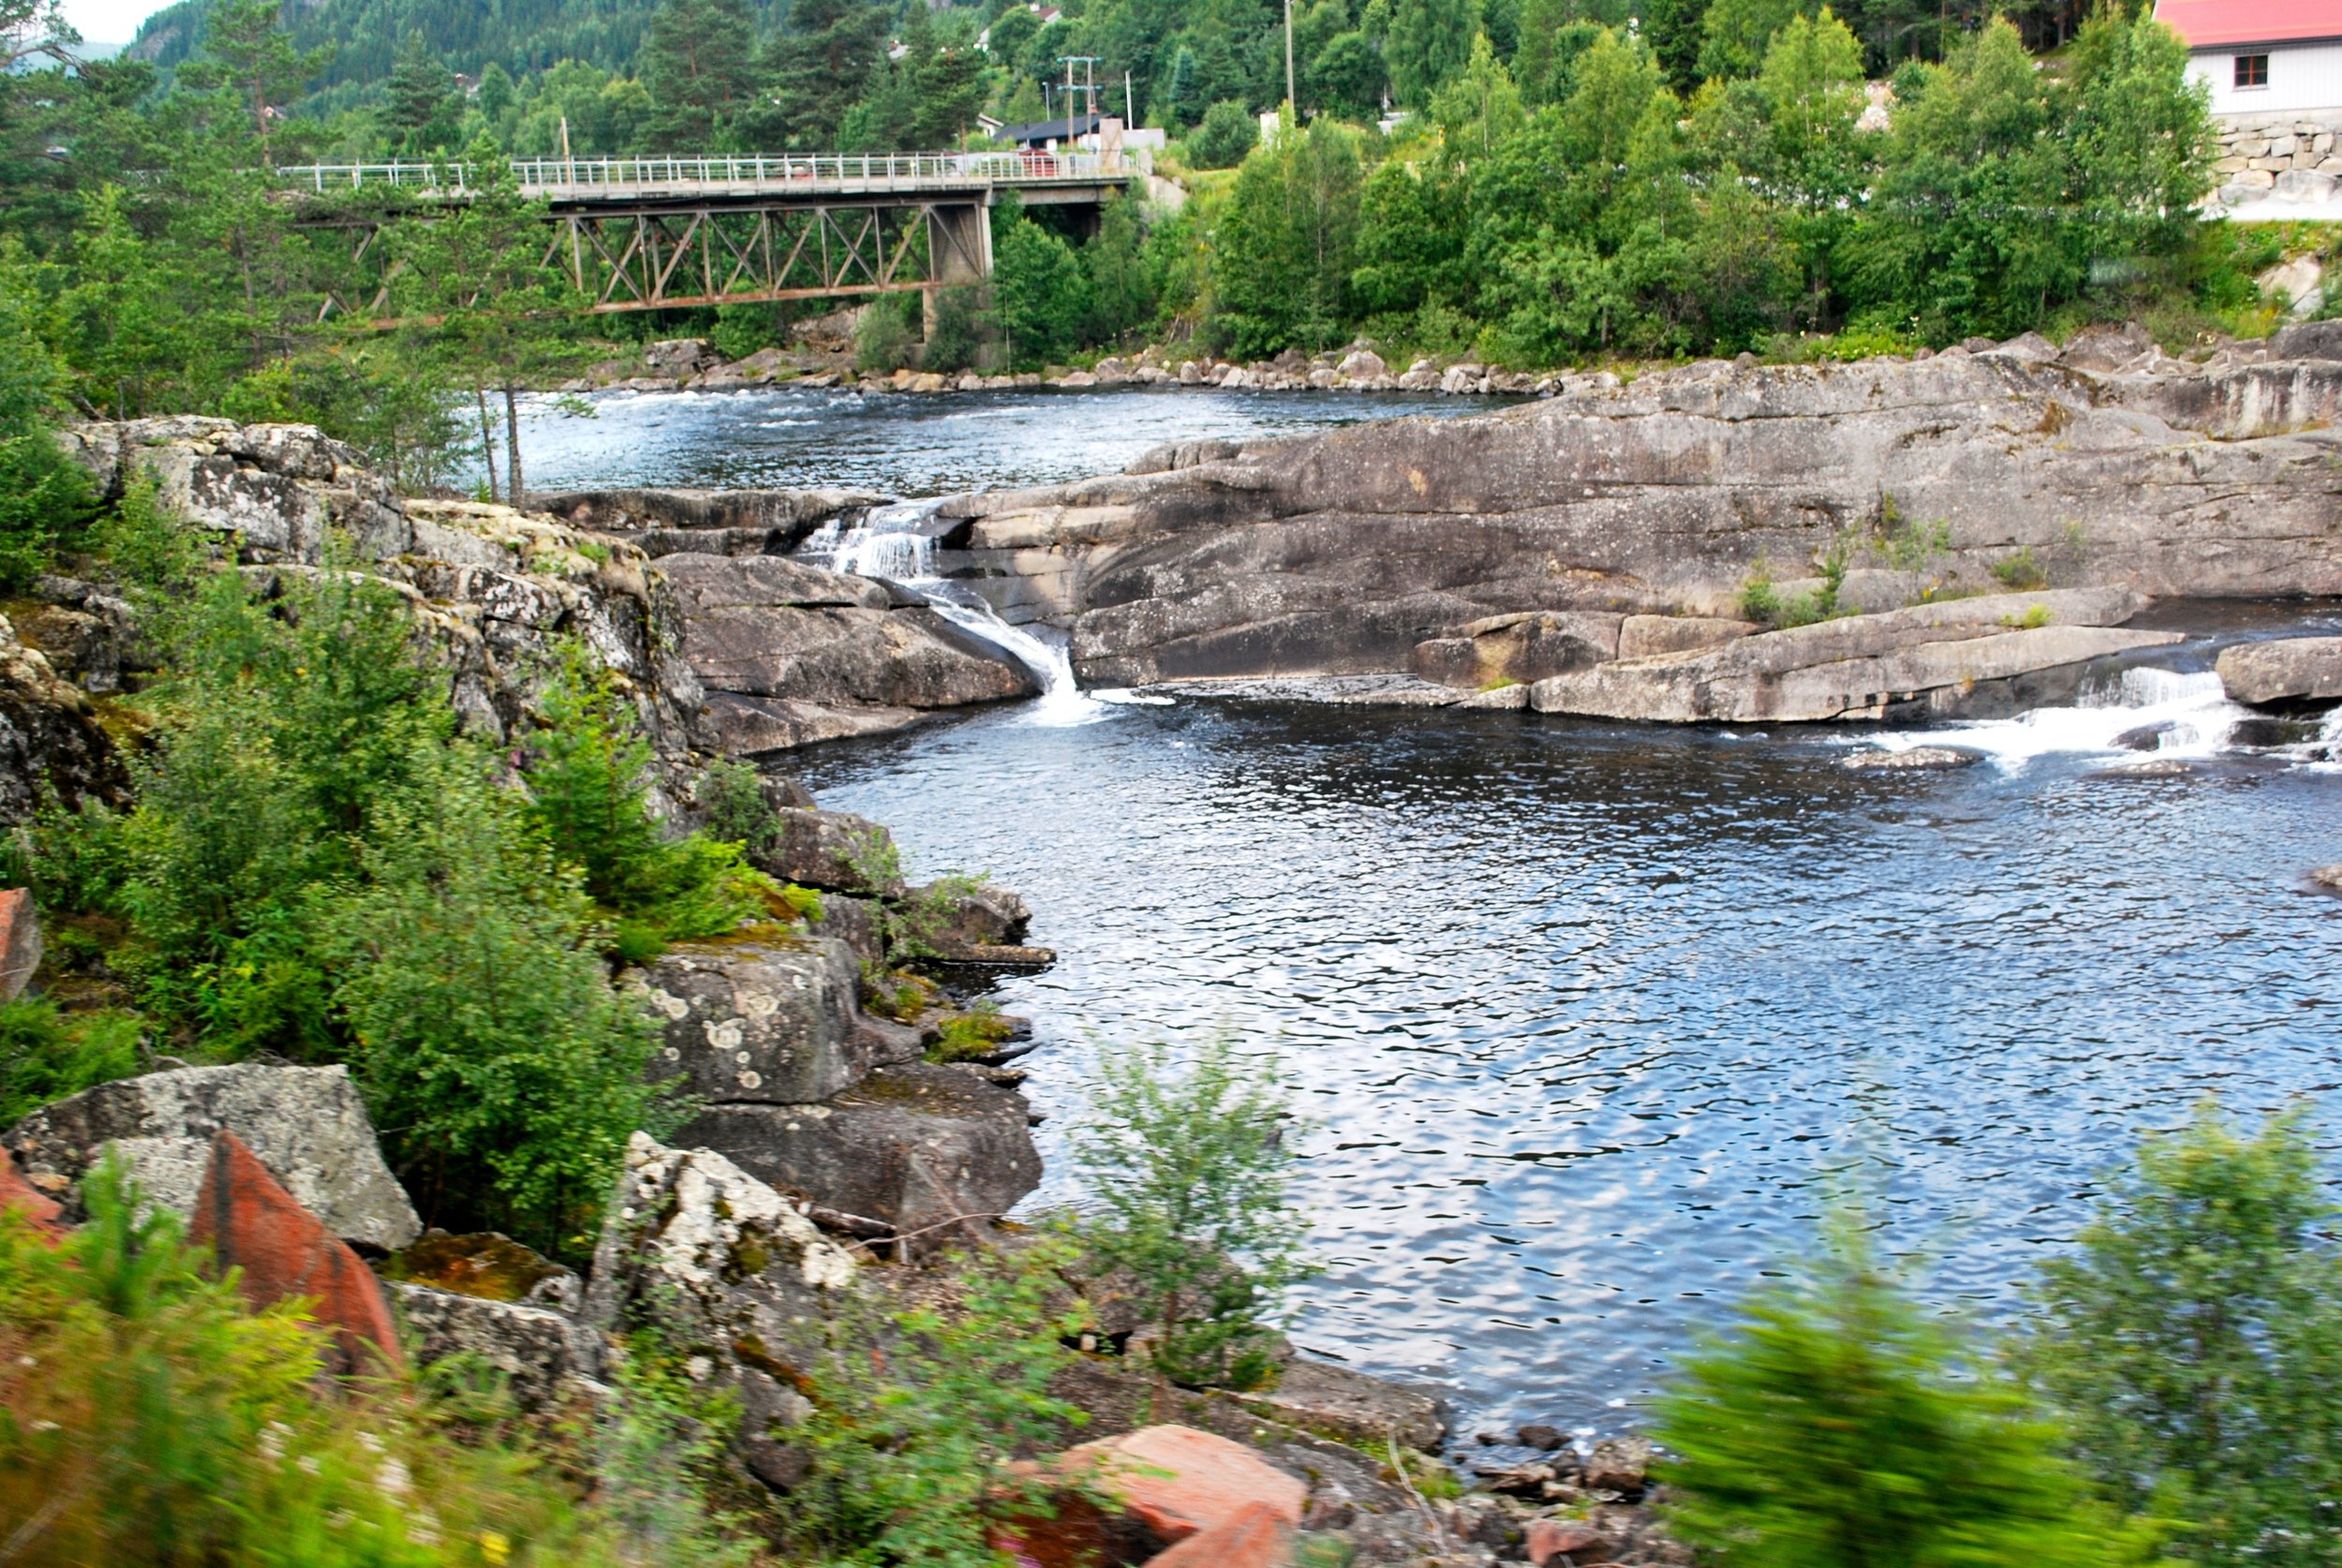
(2293, 158)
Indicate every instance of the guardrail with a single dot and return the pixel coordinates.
(623, 177)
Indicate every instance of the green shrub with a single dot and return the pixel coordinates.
(1835, 1426)
(1227, 133)
(46, 1054)
(977, 1032)
(920, 1415)
(733, 805)
(2020, 571)
(2194, 1340)
(884, 336)
(957, 336)
(742, 329)
(504, 1069)
(1189, 1166)
(589, 773)
(147, 1417)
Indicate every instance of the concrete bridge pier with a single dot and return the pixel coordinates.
(959, 251)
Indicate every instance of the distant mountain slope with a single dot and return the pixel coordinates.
(521, 34)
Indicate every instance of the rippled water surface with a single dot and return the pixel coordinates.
(1590, 1020)
(905, 445)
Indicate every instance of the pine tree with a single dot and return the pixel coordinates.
(699, 64)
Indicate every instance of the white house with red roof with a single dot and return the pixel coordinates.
(2262, 58)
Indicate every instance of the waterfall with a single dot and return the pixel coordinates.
(897, 543)
(2167, 712)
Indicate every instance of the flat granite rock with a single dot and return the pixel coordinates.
(306, 1125)
(915, 1146)
(2284, 670)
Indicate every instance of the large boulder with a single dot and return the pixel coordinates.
(1952, 658)
(768, 1021)
(733, 1275)
(277, 490)
(706, 522)
(306, 1125)
(796, 653)
(1337, 552)
(280, 1252)
(51, 742)
(938, 1151)
(1351, 1406)
(833, 850)
(20, 949)
(1530, 646)
(542, 1353)
(2286, 670)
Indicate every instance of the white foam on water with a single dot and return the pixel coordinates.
(892, 542)
(2192, 704)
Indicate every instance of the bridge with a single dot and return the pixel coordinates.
(661, 233)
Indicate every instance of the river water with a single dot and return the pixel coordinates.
(1590, 1023)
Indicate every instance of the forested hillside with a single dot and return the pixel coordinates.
(1526, 183)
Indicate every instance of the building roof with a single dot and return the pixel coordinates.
(2224, 23)
(1057, 129)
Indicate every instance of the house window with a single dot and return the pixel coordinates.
(2252, 70)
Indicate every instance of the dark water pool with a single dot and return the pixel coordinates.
(1590, 1022)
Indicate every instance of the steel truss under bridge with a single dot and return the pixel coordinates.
(659, 233)
(655, 260)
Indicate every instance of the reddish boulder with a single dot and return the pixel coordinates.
(20, 941)
(19, 1196)
(1178, 1481)
(253, 1224)
(1550, 1540)
(1254, 1536)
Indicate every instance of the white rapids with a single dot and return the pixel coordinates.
(2170, 713)
(895, 543)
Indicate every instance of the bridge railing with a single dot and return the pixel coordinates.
(635, 176)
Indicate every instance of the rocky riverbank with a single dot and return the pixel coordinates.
(1639, 529)
(837, 1147)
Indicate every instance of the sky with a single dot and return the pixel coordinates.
(110, 20)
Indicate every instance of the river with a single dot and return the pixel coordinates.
(1590, 1023)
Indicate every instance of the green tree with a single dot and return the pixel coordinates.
(1286, 243)
(699, 65)
(921, 1413)
(1347, 77)
(1431, 41)
(589, 774)
(122, 337)
(1190, 1168)
(247, 52)
(1812, 86)
(1835, 1427)
(1736, 33)
(1039, 292)
(1227, 133)
(2195, 1340)
(2141, 139)
(819, 65)
(1480, 106)
(42, 493)
(1121, 290)
(1969, 228)
(486, 1034)
(483, 302)
(422, 106)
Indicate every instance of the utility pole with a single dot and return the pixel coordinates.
(1292, 99)
(1089, 63)
(1130, 103)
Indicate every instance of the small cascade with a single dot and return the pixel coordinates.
(2167, 712)
(895, 543)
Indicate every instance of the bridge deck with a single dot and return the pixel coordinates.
(575, 183)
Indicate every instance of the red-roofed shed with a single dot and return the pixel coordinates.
(2263, 57)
